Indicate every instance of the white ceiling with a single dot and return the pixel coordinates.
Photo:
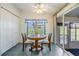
(51, 8)
(74, 13)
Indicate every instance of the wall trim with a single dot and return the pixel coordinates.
(10, 12)
(9, 49)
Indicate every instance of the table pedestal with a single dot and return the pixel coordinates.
(36, 46)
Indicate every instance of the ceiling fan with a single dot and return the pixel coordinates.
(39, 8)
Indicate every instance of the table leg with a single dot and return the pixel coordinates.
(36, 46)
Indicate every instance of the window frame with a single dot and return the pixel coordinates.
(36, 20)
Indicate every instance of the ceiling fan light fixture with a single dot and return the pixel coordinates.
(39, 8)
(39, 11)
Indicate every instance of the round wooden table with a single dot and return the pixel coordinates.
(36, 38)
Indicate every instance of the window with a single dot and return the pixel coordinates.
(61, 35)
(75, 32)
(36, 26)
(60, 25)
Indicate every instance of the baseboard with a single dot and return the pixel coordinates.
(10, 49)
(20, 42)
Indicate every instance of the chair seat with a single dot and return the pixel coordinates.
(45, 41)
(28, 41)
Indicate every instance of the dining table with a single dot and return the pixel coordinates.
(36, 38)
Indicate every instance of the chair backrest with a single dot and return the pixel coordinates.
(49, 37)
(24, 37)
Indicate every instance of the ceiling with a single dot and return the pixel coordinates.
(74, 13)
(51, 8)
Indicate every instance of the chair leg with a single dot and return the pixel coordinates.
(31, 46)
(25, 45)
(23, 48)
(49, 45)
(41, 46)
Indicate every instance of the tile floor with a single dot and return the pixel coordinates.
(17, 51)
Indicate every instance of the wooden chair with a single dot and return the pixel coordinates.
(25, 41)
(48, 41)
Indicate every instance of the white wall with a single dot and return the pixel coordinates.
(0, 31)
(9, 27)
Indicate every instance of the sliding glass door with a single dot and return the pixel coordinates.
(60, 40)
(71, 35)
(74, 32)
(61, 35)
